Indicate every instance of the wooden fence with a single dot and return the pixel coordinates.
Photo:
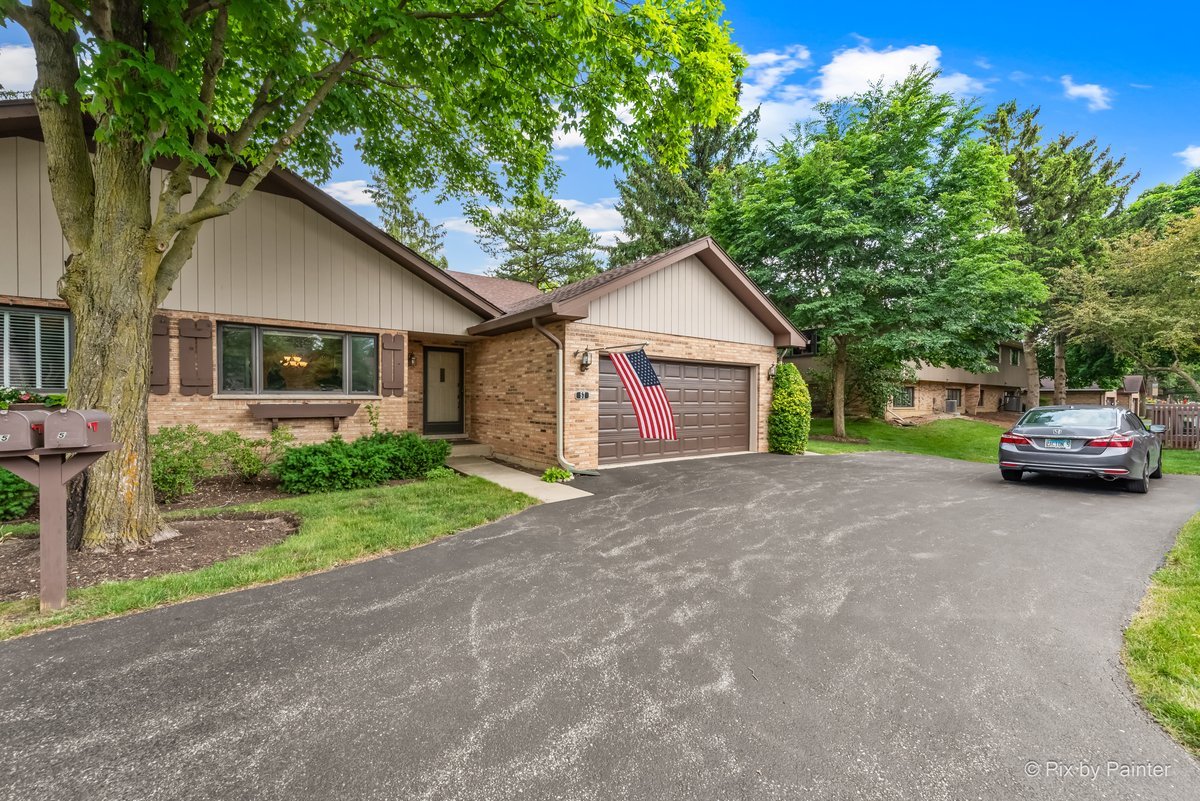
(1182, 421)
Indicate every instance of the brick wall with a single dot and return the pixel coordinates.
(216, 413)
(929, 397)
(583, 423)
(510, 394)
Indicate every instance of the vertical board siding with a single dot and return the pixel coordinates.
(274, 257)
(684, 299)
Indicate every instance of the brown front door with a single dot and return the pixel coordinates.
(710, 402)
(443, 391)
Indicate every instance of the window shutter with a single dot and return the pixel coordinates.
(160, 356)
(195, 357)
(392, 364)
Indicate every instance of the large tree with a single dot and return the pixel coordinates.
(407, 224)
(536, 241)
(1143, 300)
(465, 94)
(663, 207)
(1065, 195)
(1158, 206)
(878, 223)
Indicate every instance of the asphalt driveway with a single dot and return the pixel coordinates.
(859, 626)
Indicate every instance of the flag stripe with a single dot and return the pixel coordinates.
(650, 405)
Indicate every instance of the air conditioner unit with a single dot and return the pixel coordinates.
(951, 407)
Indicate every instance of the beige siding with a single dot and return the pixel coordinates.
(274, 257)
(685, 299)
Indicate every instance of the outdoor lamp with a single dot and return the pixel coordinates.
(585, 361)
(412, 359)
(771, 372)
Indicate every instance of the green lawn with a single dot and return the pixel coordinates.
(335, 528)
(972, 440)
(1162, 643)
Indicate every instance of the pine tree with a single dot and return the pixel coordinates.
(537, 241)
(405, 223)
(664, 209)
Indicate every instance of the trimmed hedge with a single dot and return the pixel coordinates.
(16, 496)
(790, 418)
(365, 462)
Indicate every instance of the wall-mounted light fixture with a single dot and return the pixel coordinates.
(412, 359)
(771, 372)
(585, 361)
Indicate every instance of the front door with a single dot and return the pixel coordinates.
(443, 391)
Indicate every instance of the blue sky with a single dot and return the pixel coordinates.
(1126, 75)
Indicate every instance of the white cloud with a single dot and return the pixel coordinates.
(768, 69)
(1190, 156)
(609, 238)
(599, 216)
(460, 224)
(352, 193)
(565, 139)
(18, 68)
(853, 70)
(1098, 98)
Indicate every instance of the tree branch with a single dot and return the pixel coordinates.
(491, 12)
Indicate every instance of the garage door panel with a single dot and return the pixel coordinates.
(711, 405)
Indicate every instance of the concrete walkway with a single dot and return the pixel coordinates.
(515, 480)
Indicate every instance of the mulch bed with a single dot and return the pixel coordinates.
(200, 543)
(219, 492)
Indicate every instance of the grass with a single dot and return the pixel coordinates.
(971, 440)
(335, 528)
(1162, 643)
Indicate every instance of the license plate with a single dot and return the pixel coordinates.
(1060, 444)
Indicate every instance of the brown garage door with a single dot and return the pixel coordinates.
(711, 403)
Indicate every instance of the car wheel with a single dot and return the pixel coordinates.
(1158, 470)
(1011, 475)
(1140, 485)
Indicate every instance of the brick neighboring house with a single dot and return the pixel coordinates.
(295, 310)
(942, 390)
(1133, 394)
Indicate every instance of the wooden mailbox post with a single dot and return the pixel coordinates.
(48, 449)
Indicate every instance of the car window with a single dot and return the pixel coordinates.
(1135, 422)
(1088, 418)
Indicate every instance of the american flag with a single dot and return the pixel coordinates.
(645, 390)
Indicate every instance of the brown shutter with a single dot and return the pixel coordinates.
(160, 356)
(392, 364)
(195, 357)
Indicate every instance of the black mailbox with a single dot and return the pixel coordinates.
(68, 428)
(21, 431)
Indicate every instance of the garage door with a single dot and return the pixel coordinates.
(711, 403)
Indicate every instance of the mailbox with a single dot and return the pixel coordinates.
(68, 428)
(21, 431)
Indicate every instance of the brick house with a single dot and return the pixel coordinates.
(949, 390)
(1133, 393)
(295, 310)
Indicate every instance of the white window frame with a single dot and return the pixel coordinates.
(39, 314)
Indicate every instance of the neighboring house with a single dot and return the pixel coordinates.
(1133, 394)
(948, 390)
(295, 310)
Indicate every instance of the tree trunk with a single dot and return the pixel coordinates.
(110, 289)
(1188, 377)
(1060, 369)
(1033, 376)
(840, 360)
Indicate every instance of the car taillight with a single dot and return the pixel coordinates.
(1009, 438)
(1115, 441)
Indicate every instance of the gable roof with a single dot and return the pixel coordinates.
(570, 302)
(502, 292)
(19, 118)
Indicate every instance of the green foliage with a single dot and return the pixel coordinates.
(182, 456)
(11, 395)
(366, 462)
(1142, 300)
(880, 224)
(791, 411)
(1088, 362)
(663, 208)
(1161, 205)
(537, 241)
(436, 473)
(16, 496)
(557, 475)
(401, 218)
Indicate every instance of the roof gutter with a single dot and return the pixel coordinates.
(560, 357)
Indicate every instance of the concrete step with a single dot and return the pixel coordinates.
(461, 449)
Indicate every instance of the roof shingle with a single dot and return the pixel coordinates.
(501, 292)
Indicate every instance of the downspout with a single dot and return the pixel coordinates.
(560, 375)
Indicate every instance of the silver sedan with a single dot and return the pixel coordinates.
(1101, 441)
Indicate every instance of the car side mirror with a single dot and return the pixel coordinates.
(1158, 428)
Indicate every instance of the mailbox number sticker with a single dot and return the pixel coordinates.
(4, 437)
(62, 434)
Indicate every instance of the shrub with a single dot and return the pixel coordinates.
(366, 462)
(557, 475)
(791, 412)
(440, 472)
(16, 496)
(181, 456)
